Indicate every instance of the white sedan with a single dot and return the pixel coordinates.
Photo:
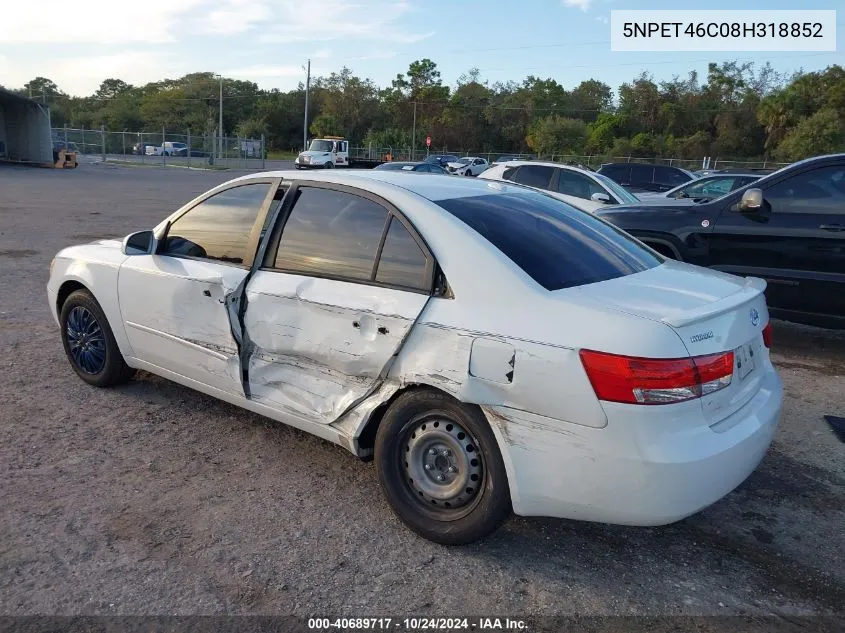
(583, 189)
(468, 166)
(491, 347)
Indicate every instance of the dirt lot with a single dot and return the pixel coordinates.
(155, 499)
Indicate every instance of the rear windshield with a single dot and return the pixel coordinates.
(558, 246)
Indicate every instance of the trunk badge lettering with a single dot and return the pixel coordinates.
(755, 317)
(703, 336)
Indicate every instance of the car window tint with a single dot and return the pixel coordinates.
(571, 183)
(331, 233)
(669, 176)
(642, 174)
(709, 188)
(741, 181)
(619, 173)
(219, 227)
(534, 176)
(558, 246)
(402, 261)
(508, 174)
(819, 190)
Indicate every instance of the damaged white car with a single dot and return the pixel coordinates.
(489, 346)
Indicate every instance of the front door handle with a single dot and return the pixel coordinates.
(207, 293)
(356, 324)
(832, 227)
(382, 330)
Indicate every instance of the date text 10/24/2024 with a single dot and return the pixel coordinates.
(417, 624)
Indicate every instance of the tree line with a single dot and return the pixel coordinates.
(738, 110)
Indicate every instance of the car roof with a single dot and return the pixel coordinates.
(436, 187)
(732, 174)
(519, 163)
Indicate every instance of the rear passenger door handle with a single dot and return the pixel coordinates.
(383, 330)
(832, 227)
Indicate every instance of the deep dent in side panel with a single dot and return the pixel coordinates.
(296, 363)
(441, 357)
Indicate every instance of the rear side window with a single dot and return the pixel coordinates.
(534, 176)
(402, 261)
(331, 234)
(508, 174)
(642, 174)
(556, 245)
(619, 173)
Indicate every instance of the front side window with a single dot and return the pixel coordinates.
(622, 195)
(577, 185)
(331, 234)
(534, 176)
(819, 191)
(219, 227)
(669, 176)
(556, 245)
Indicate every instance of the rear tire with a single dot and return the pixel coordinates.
(440, 468)
(89, 342)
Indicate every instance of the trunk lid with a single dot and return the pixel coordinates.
(711, 312)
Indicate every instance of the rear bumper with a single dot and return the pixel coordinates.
(648, 466)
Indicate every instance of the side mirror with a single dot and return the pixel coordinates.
(140, 243)
(600, 197)
(752, 200)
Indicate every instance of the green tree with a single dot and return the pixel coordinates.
(822, 133)
(558, 135)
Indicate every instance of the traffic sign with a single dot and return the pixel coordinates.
(428, 141)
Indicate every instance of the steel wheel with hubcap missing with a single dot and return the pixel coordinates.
(440, 467)
(443, 465)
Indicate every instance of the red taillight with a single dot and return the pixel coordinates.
(767, 334)
(656, 380)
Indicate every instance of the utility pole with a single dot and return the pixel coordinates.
(220, 123)
(414, 133)
(307, 88)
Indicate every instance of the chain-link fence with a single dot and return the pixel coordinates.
(209, 150)
(164, 148)
(593, 161)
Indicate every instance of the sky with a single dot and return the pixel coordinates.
(78, 44)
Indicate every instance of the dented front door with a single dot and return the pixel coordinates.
(319, 345)
(176, 317)
(176, 303)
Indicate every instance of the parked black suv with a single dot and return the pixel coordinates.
(788, 228)
(641, 177)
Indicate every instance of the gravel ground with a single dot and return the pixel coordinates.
(154, 499)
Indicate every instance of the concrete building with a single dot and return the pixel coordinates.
(25, 134)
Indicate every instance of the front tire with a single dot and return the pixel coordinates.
(89, 342)
(328, 165)
(440, 468)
